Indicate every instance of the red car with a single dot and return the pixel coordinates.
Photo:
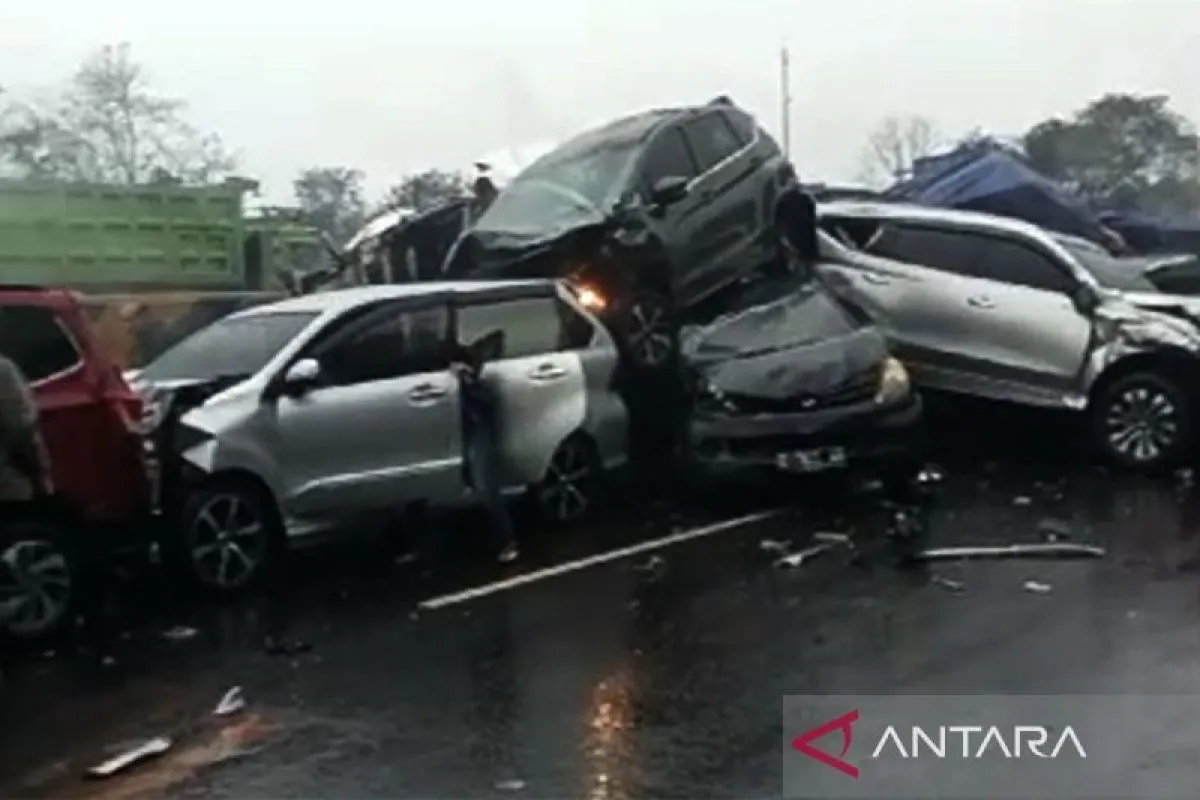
(102, 467)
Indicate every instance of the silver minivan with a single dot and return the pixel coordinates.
(337, 406)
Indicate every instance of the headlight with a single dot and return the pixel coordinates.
(588, 296)
(893, 382)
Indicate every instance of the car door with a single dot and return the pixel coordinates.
(667, 155)
(1031, 338)
(382, 427)
(541, 387)
(726, 202)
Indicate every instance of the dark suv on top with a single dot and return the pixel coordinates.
(646, 215)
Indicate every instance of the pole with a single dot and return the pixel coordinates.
(785, 100)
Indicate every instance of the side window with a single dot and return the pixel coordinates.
(712, 139)
(743, 125)
(576, 332)
(667, 157)
(386, 344)
(948, 251)
(36, 341)
(1015, 263)
(530, 325)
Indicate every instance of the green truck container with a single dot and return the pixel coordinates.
(132, 238)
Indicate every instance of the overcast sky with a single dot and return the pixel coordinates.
(392, 87)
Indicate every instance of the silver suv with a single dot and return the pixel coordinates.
(332, 406)
(998, 308)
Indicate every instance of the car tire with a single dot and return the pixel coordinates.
(571, 487)
(647, 332)
(41, 580)
(1142, 421)
(229, 538)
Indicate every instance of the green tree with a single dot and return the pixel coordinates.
(331, 199)
(108, 125)
(426, 190)
(1122, 149)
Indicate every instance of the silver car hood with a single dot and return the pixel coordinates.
(1133, 321)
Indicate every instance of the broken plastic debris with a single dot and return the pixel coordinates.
(1054, 529)
(773, 546)
(1037, 587)
(511, 785)
(180, 633)
(796, 559)
(1044, 550)
(949, 584)
(129, 757)
(231, 702)
(1022, 500)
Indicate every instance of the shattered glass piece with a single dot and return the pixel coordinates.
(797, 559)
(949, 584)
(180, 633)
(1037, 587)
(510, 785)
(773, 546)
(1022, 500)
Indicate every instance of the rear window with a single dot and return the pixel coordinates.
(36, 341)
(237, 346)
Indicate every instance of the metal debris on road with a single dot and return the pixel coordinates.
(130, 756)
(1037, 587)
(1042, 550)
(1022, 500)
(511, 785)
(949, 584)
(180, 633)
(231, 702)
(796, 559)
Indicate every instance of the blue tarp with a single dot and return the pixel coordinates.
(1147, 234)
(992, 179)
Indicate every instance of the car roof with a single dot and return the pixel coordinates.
(344, 299)
(915, 213)
(629, 129)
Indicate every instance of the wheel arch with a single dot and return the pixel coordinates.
(1174, 363)
(246, 479)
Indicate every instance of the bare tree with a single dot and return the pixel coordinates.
(109, 126)
(895, 144)
(331, 199)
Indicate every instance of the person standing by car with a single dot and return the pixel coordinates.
(24, 468)
(481, 451)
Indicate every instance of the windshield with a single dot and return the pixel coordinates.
(235, 346)
(561, 190)
(1111, 272)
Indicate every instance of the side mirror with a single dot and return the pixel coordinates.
(302, 376)
(797, 215)
(1085, 299)
(669, 190)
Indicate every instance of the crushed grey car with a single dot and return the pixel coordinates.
(998, 308)
(307, 414)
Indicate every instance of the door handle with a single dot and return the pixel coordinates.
(425, 392)
(875, 278)
(547, 372)
(979, 301)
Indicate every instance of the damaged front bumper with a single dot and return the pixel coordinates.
(867, 436)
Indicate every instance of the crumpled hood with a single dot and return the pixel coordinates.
(802, 344)
(1149, 319)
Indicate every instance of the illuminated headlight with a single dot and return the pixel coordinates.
(893, 382)
(590, 299)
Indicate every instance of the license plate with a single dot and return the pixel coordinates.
(816, 460)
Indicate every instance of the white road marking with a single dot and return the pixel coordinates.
(591, 561)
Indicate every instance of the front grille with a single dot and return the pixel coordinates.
(859, 389)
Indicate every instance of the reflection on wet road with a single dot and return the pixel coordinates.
(657, 674)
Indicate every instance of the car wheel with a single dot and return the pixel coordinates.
(647, 333)
(1142, 420)
(571, 486)
(229, 537)
(40, 580)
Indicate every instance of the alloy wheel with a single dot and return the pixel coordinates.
(35, 586)
(228, 541)
(565, 493)
(1142, 424)
(649, 335)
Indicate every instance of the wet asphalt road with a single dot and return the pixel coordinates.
(629, 678)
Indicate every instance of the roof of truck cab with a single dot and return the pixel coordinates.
(340, 299)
